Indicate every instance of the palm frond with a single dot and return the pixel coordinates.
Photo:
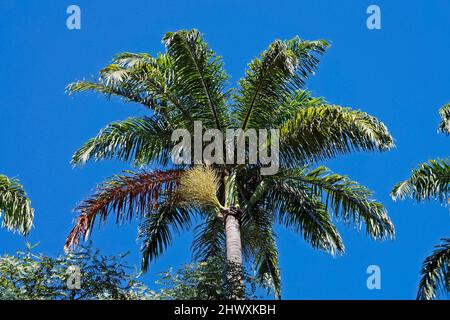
(157, 229)
(134, 194)
(297, 100)
(430, 181)
(435, 273)
(141, 140)
(141, 79)
(279, 71)
(200, 74)
(304, 213)
(259, 243)
(15, 206)
(348, 200)
(209, 238)
(444, 113)
(317, 133)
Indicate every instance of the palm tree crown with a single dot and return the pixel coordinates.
(187, 83)
(15, 207)
(431, 181)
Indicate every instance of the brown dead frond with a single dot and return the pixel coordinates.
(127, 195)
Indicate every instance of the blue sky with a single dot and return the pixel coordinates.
(400, 74)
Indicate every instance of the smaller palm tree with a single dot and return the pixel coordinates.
(431, 181)
(15, 207)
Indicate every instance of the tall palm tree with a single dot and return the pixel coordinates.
(431, 181)
(236, 204)
(15, 207)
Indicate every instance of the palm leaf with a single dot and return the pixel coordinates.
(304, 213)
(430, 181)
(435, 273)
(200, 74)
(279, 71)
(141, 140)
(350, 201)
(130, 195)
(141, 79)
(209, 238)
(15, 206)
(157, 229)
(444, 113)
(259, 243)
(317, 133)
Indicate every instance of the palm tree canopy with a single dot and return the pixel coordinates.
(435, 273)
(188, 83)
(444, 113)
(15, 207)
(431, 181)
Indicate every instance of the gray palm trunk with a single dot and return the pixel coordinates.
(234, 251)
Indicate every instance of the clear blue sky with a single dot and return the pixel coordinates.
(400, 74)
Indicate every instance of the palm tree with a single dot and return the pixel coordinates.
(15, 207)
(431, 181)
(237, 205)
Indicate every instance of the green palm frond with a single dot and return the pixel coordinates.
(134, 194)
(348, 200)
(289, 108)
(157, 228)
(444, 113)
(259, 244)
(430, 181)
(141, 140)
(201, 74)
(303, 212)
(209, 238)
(141, 79)
(435, 273)
(15, 207)
(317, 133)
(280, 70)
(113, 86)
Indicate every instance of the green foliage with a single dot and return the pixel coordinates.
(350, 202)
(326, 131)
(279, 71)
(15, 206)
(203, 79)
(205, 280)
(435, 273)
(430, 181)
(444, 113)
(141, 139)
(157, 228)
(30, 276)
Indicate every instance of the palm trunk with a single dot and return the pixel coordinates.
(234, 252)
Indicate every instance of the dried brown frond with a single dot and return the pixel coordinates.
(127, 195)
